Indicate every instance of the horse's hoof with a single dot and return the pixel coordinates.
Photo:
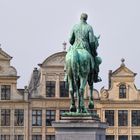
(73, 109)
(78, 111)
(91, 106)
(84, 111)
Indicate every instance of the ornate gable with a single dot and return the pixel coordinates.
(4, 55)
(121, 76)
(57, 59)
(5, 68)
(123, 71)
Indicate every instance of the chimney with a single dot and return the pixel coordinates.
(109, 78)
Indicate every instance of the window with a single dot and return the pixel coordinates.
(5, 117)
(63, 111)
(5, 92)
(5, 137)
(19, 137)
(50, 137)
(36, 137)
(122, 117)
(109, 115)
(50, 116)
(135, 117)
(122, 91)
(136, 137)
(109, 137)
(36, 118)
(50, 88)
(64, 92)
(19, 117)
(123, 137)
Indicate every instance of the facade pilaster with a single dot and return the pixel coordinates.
(57, 87)
(12, 129)
(43, 124)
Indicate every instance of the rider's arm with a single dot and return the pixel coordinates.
(72, 37)
(92, 42)
(91, 36)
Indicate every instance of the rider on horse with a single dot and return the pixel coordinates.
(82, 35)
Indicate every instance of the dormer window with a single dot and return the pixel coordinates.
(50, 88)
(122, 91)
(5, 92)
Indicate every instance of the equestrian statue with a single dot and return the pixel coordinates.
(82, 64)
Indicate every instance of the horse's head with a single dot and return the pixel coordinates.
(96, 41)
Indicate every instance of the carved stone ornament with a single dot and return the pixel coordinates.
(55, 61)
(104, 93)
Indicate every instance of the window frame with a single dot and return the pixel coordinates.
(110, 137)
(5, 92)
(122, 91)
(37, 116)
(135, 137)
(50, 116)
(50, 137)
(122, 117)
(123, 137)
(36, 137)
(18, 116)
(64, 92)
(6, 115)
(50, 88)
(17, 137)
(111, 115)
(135, 115)
(5, 137)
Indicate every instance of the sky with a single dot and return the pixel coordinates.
(32, 30)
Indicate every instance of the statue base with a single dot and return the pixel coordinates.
(79, 128)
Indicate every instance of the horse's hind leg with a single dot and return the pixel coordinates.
(83, 82)
(71, 90)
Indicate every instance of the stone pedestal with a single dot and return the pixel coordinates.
(79, 128)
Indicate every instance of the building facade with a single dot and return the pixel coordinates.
(27, 114)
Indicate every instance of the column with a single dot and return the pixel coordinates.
(116, 124)
(57, 115)
(57, 87)
(0, 92)
(12, 129)
(30, 123)
(0, 121)
(103, 116)
(129, 125)
(43, 124)
(43, 85)
(26, 122)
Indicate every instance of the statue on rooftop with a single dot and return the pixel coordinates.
(82, 63)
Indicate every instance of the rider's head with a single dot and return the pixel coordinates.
(84, 17)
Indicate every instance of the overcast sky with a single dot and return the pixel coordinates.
(32, 30)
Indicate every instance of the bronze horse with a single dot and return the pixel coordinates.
(79, 63)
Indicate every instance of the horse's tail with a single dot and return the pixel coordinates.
(75, 66)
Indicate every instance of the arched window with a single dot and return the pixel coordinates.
(122, 91)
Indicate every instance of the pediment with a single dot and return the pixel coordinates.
(57, 59)
(123, 71)
(4, 55)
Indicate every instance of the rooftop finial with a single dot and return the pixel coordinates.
(122, 60)
(64, 45)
